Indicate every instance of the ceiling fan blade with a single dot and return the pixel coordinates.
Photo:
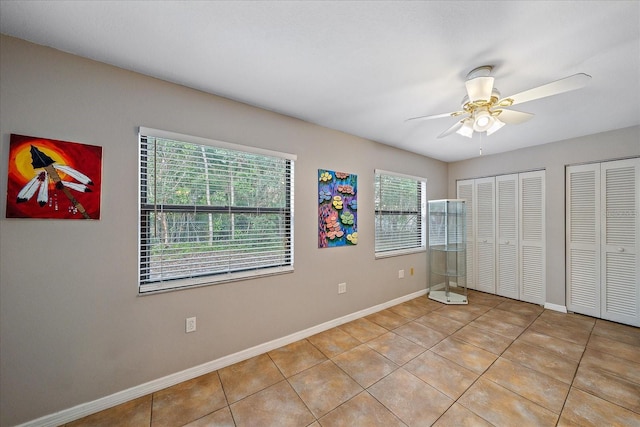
(457, 125)
(567, 84)
(436, 116)
(479, 88)
(512, 117)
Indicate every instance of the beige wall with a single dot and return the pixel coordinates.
(553, 158)
(72, 327)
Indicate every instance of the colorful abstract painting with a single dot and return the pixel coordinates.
(53, 179)
(337, 209)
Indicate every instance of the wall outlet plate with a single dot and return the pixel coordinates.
(400, 274)
(342, 288)
(190, 324)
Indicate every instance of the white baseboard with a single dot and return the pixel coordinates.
(84, 409)
(555, 307)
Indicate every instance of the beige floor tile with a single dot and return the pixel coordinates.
(615, 331)
(541, 360)
(333, 342)
(520, 307)
(387, 319)
(486, 340)
(410, 399)
(420, 334)
(363, 330)
(542, 389)
(492, 323)
(564, 348)
(188, 401)
(573, 334)
(296, 357)
(502, 407)
(442, 374)
(249, 376)
(608, 386)
(483, 298)
(365, 365)
(440, 323)
(617, 348)
(463, 313)
(409, 310)
(594, 359)
(459, 416)
(570, 327)
(324, 387)
(517, 319)
(469, 356)
(569, 319)
(363, 410)
(134, 413)
(278, 405)
(585, 410)
(425, 303)
(220, 418)
(396, 348)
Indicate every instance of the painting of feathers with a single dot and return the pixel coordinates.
(53, 179)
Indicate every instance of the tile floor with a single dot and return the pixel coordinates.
(494, 362)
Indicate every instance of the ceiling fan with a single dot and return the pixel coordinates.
(484, 110)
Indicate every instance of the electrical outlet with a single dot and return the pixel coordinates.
(190, 324)
(400, 274)
(342, 288)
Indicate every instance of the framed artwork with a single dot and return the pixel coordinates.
(337, 209)
(53, 179)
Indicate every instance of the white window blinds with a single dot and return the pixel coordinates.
(400, 213)
(211, 211)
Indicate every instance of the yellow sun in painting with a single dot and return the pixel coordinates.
(23, 159)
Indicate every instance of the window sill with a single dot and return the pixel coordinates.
(182, 284)
(399, 252)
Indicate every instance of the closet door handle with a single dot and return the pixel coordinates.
(620, 249)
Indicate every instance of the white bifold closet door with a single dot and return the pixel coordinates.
(620, 230)
(507, 280)
(603, 240)
(466, 191)
(532, 267)
(485, 234)
(583, 239)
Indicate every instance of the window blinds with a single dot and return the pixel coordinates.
(400, 213)
(211, 212)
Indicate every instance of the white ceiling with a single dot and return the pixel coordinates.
(363, 67)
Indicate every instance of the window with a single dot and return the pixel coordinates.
(400, 213)
(211, 211)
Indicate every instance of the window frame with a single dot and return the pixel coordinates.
(146, 209)
(421, 215)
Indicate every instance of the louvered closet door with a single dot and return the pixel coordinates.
(620, 292)
(532, 237)
(507, 283)
(583, 239)
(485, 234)
(466, 191)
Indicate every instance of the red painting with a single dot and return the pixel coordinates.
(53, 179)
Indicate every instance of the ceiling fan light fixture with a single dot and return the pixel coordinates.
(480, 89)
(466, 129)
(483, 120)
(497, 125)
